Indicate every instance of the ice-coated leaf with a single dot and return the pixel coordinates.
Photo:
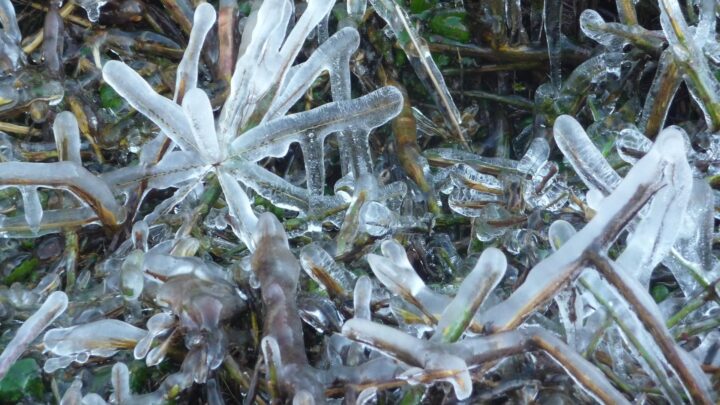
(70, 176)
(239, 208)
(121, 384)
(394, 270)
(100, 338)
(310, 129)
(196, 105)
(361, 297)
(332, 56)
(67, 137)
(54, 306)
(584, 157)
(31, 206)
(656, 232)
(318, 264)
(187, 70)
(163, 112)
(473, 291)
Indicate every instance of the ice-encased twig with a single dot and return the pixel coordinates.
(277, 270)
(689, 55)
(70, 176)
(422, 62)
(474, 351)
(618, 209)
(54, 306)
(559, 233)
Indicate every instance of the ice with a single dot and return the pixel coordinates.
(140, 232)
(584, 157)
(101, 338)
(240, 209)
(664, 86)
(92, 7)
(163, 112)
(73, 395)
(356, 8)
(417, 52)
(202, 124)
(120, 378)
(376, 219)
(632, 145)
(660, 225)
(31, 206)
(536, 155)
(397, 274)
(640, 184)
(473, 291)
(361, 298)
(321, 267)
(132, 276)
(688, 53)
(187, 70)
(54, 306)
(67, 137)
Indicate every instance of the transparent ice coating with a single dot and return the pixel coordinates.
(420, 58)
(239, 208)
(187, 70)
(473, 291)
(585, 158)
(636, 336)
(397, 274)
(77, 343)
(321, 267)
(67, 137)
(92, 7)
(640, 184)
(12, 55)
(132, 276)
(361, 297)
(54, 306)
(661, 223)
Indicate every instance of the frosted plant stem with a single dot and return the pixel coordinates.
(691, 375)
(54, 306)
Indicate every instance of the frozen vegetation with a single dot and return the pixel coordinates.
(296, 202)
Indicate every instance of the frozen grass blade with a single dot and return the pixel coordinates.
(54, 306)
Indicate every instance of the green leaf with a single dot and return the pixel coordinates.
(23, 271)
(22, 380)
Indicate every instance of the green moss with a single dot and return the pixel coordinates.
(23, 271)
